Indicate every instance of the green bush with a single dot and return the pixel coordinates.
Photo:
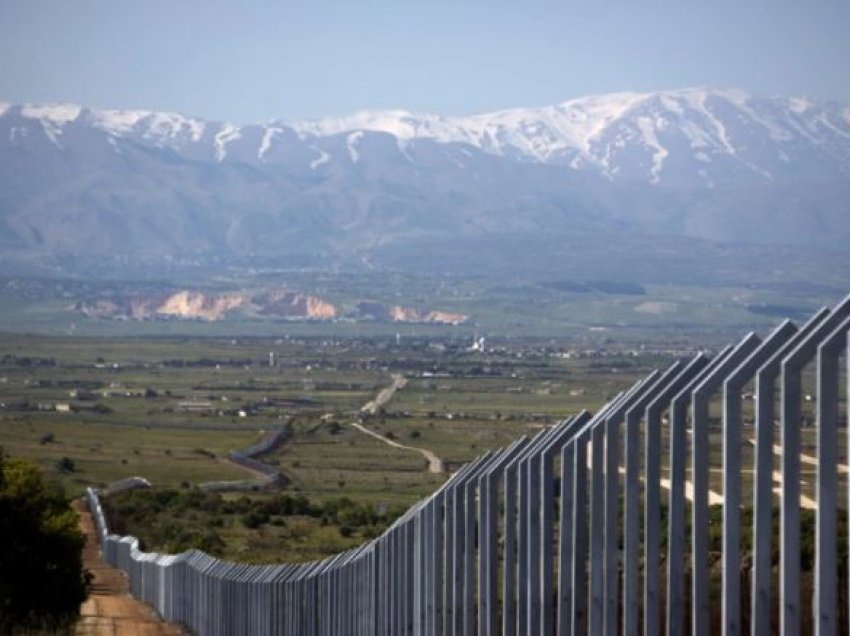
(254, 519)
(42, 580)
(170, 520)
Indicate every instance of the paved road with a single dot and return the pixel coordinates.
(435, 464)
(110, 610)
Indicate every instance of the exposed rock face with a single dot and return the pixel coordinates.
(396, 313)
(407, 314)
(185, 304)
(277, 303)
(286, 304)
(189, 304)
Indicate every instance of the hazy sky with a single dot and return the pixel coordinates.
(254, 60)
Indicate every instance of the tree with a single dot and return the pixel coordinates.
(42, 580)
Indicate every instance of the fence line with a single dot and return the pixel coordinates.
(247, 458)
(551, 518)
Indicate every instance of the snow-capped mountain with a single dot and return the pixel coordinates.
(703, 163)
(683, 138)
(686, 136)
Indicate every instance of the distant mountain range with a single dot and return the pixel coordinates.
(681, 170)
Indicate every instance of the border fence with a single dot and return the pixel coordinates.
(268, 475)
(565, 532)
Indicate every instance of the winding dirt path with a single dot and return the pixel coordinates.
(110, 610)
(435, 464)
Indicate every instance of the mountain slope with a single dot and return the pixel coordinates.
(715, 165)
(686, 137)
(681, 138)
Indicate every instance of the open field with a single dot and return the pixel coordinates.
(170, 409)
(115, 406)
(333, 460)
(102, 453)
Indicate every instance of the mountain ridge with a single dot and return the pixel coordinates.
(580, 132)
(707, 164)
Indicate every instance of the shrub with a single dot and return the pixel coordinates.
(66, 465)
(42, 580)
(254, 519)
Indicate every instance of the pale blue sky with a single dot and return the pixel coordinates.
(255, 60)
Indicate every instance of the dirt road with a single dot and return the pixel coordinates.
(384, 395)
(435, 464)
(110, 610)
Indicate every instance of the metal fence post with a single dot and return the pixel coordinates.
(826, 539)
(700, 612)
(765, 393)
(676, 507)
(631, 511)
(789, 563)
(546, 603)
(732, 387)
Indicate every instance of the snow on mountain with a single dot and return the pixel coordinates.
(318, 161)
(269, 133)
(352, 140)
(716, 165)
(160, 128)
(57, 114)
(52, 117)
(117, 122)
(681, 138)
(227, 134)
(163, 129)
(630, 136)
(537, 133)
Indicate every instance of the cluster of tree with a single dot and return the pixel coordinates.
(42, 580)
(173, 521)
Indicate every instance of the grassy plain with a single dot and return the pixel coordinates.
(170, 409)
(102, 453)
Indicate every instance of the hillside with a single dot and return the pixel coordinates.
(703, 167)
